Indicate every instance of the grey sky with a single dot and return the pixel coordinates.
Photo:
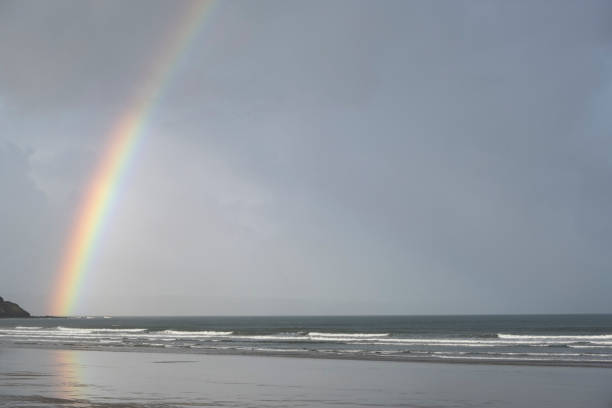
(317, 157)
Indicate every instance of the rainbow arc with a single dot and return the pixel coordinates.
(120, 147)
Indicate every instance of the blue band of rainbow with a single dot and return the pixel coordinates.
(122, 140)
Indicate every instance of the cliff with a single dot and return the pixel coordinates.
(10, 309)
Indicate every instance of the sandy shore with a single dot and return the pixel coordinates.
(49, 378)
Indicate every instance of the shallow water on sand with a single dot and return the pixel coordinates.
(74, 378)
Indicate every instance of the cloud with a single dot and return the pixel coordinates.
(411, 157)
(29, 225)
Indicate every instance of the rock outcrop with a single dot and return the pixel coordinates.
(10, 309)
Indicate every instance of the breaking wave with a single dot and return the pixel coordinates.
(348, 335)
(478, 346)
(586, 337)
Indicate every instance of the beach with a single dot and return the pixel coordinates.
(558, 361)
(78, 378)
(305, 204)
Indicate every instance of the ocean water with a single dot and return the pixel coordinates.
(581, 340)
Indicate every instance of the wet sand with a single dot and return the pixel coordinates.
(78, 378)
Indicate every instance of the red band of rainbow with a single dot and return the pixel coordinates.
(122, 139)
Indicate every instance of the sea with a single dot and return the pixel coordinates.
(528, 339)
(560, 361)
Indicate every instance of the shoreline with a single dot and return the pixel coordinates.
(311, 355)
(48, 378)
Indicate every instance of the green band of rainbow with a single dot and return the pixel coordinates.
(121, 142)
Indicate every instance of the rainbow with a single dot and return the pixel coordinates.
(122, 139)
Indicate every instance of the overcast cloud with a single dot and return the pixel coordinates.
(316, 157)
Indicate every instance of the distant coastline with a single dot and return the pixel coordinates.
(11, 309)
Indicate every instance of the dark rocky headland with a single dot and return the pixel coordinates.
(10, 309)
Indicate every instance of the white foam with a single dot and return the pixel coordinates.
(202, 333)
(348, 335)
(589, 346)
(556, 337)
(96, 330)
(271, 337)
(155, 345)
(279, 350)
(503, 346)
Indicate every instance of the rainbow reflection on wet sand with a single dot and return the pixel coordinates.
(102, 379)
